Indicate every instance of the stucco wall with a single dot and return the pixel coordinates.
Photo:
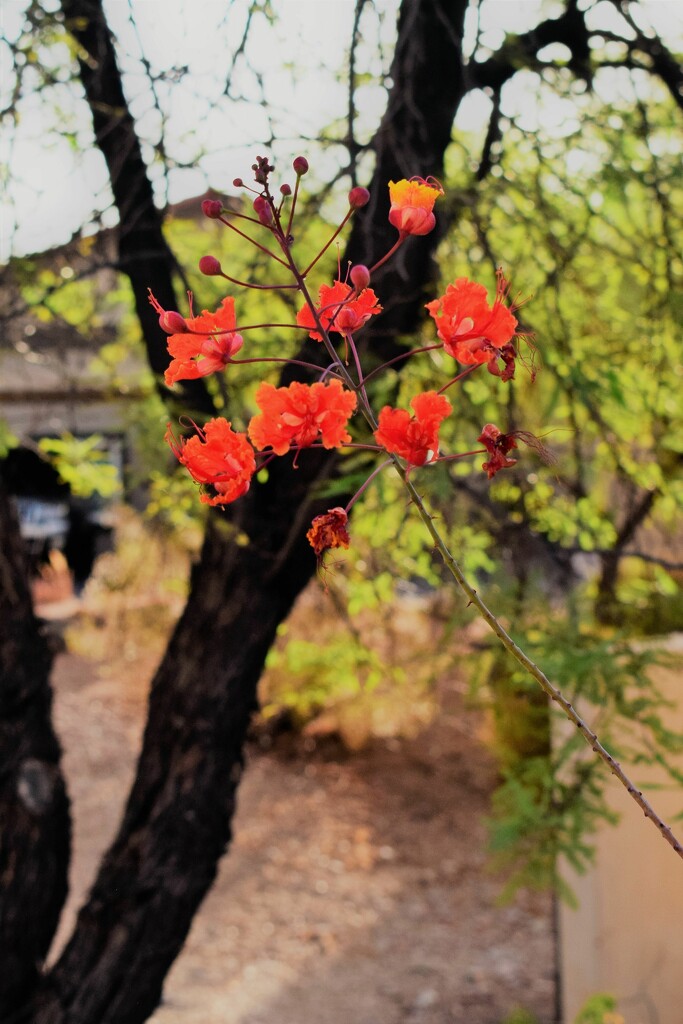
(626, 938)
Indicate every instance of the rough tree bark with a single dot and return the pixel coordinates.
(34, 809)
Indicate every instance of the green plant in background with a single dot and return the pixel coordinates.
(83, 464)
(551, 796)
(602, 290)
(8, 439)
(360, 676)
(600, 1009)
(520, 1016)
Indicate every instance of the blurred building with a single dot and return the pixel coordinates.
(53, 381)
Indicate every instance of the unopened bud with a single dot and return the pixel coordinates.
(210, 266)
(300, 165)
(285, 190)
(172, 322)
(237, 182)
(263, 211)
(358, 197)
(360, 276)
(212, 208)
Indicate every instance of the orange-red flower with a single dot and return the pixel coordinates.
(498, 445)
(474, 332)
(412, 203)
(329, 531)
(219, 459)
(414, 438)
(206, 345)
(299, 414)
(338, 312)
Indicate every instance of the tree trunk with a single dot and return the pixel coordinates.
(35, 828)
(254, 563)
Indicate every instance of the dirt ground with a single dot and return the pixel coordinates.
(356, 890)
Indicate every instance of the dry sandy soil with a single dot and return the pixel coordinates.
(356, 888)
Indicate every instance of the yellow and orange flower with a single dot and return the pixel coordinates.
(300, 414)
(205, 343)
(414, 438)
(412, 204)
(473, 332)
(218, 458)
(338, 312)
(329, 531)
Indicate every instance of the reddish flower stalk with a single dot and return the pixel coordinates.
(329, 242)
(252, 241)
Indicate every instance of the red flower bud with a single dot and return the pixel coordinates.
(210, 266)
(360, 276)
(237, 182)
(358, 197)
(172, 322)
(212, 208)
(300, 165)
(263, 211)
(285, 190)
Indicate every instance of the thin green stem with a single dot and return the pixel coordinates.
(525, 661)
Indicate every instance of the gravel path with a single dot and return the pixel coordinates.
(356, 890)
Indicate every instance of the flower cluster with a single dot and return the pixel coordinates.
(470, 328)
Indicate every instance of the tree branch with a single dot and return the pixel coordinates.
(144, 254)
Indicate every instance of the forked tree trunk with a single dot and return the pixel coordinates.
(254, 563)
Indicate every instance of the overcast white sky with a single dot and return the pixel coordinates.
(54, 188)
